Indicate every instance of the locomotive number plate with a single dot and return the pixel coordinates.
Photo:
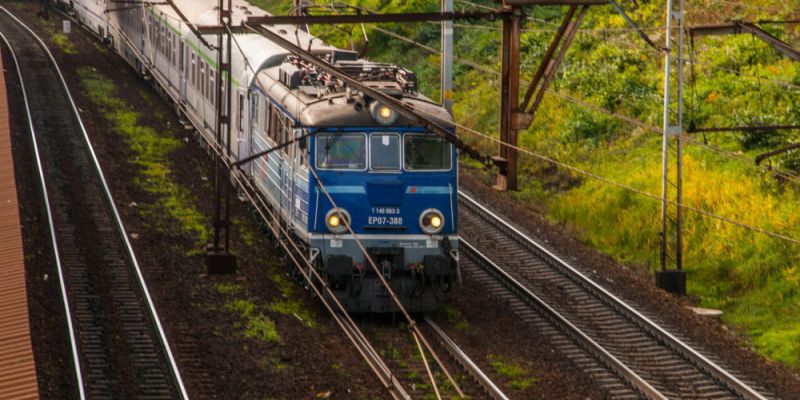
(385, 216)
(379, 220)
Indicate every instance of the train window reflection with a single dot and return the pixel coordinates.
(384, 152)
(342, 151)
(426, 152)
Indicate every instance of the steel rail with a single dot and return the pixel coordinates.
(117, 218)
(40, 169)
(703, 362)
(564, 324)
(472, 369)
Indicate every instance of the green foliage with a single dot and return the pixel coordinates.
(584, 126)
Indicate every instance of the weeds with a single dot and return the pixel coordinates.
(516, 374)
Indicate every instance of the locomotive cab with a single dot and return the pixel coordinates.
(396, 189)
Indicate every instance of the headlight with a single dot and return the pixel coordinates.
(431, 221)
(382, 114)
(337, 220)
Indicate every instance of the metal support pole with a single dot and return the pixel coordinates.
(218, 256)
(672, 280)
(447, 59)
(225, 68)
(509, 99)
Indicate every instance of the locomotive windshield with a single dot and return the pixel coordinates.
(385, 152)
(342, 151)
(348, 151)
(426, 152)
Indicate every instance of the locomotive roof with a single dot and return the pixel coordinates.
(334, 108)
(341, 106)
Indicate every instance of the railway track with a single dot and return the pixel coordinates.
(483, 385)
(626, 351)
(402, 359)
(119, 347)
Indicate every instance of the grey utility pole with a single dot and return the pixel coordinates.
(672, 279)
(447, 58)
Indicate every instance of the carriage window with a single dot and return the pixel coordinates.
(202, 81)
(286, 135)
(194, 66)
(342, 151)
(212, 87)
(266, 118)
(240, 110)
(254, 100)
(426, 152)
(273, 125)
(384, 152)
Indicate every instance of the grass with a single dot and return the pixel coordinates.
(257, 325)
(151, 154)
(517, 375)
(260, 327)
(455, 317)
(63, 42)
(226, 288)
(290, 303)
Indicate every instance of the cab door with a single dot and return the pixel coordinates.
(299, 202)
(287, 171)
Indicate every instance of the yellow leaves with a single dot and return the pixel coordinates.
(792, 275)
(616, 21)
(773, 70)
(713, 97)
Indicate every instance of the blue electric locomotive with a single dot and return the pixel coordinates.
(365, 166)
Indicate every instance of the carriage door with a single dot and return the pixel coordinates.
(254, 126)
(182, 69)
(243, 114)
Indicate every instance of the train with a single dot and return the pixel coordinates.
(392, 181)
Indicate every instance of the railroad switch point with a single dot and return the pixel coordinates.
(673, 281)
(219, 262)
